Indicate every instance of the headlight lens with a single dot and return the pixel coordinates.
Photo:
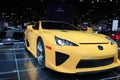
(63, 42)
(111, 40)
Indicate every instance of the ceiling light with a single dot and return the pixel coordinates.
(92, 2)
(80, 0)
(97, 0)
(110, 0)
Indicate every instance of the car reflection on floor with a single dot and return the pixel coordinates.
(16, 63)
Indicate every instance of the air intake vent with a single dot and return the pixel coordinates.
(94, 63)
(61, 58)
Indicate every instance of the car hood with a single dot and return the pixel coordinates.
(79, 36)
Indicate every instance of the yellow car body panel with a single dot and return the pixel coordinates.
(87, 49)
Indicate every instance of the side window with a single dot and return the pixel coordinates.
(36, 26)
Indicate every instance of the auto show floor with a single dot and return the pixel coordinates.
(17, 64)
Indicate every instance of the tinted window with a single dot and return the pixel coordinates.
(57, 26)
(36, 26)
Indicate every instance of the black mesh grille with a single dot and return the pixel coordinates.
(94, 63)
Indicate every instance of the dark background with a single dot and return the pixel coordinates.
(83, 10)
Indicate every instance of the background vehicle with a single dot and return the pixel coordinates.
(115, 35)
(11, 35)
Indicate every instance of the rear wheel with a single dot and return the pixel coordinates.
(40, 53)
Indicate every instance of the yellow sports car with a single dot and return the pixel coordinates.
(62, 47)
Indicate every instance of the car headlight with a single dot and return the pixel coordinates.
(111, 40)
(63, 42)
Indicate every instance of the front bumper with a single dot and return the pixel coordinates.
(82, 59)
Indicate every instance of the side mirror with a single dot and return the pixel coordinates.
(89, 30)
(30, 27)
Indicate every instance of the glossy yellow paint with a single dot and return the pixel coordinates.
(87, 48)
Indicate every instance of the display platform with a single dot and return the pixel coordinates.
(16, 63)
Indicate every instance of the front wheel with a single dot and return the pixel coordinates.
(40, 53)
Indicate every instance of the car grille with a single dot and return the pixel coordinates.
(94, 63)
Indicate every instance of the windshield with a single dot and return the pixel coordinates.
(58, 26)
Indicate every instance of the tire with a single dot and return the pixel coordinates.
(40, 53)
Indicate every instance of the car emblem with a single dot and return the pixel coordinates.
(100, 47)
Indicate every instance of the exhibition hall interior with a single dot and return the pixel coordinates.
(60, 40)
